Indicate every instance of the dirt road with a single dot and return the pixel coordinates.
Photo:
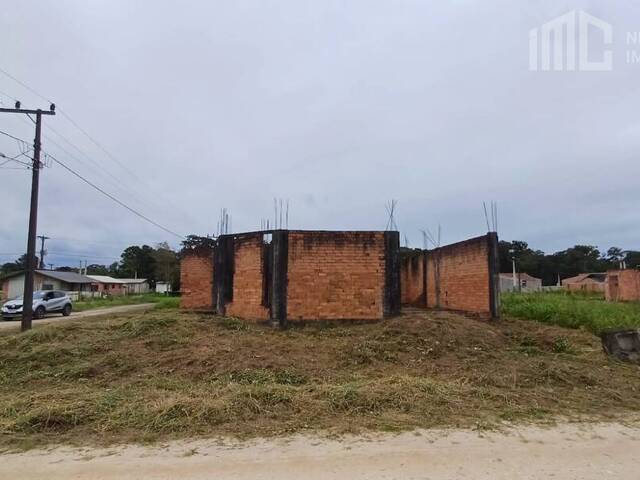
(576, 451)
(53, 318)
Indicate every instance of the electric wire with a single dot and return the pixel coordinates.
(102, 191)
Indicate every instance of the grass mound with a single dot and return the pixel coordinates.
(168, 374)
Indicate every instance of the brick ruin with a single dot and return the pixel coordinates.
(282, 275)
(622, 286)
(463, 276)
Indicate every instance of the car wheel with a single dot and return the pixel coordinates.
(66, 311)
(39, 313)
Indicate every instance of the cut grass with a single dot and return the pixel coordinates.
(168, 374)
(161, 301)
(570, 310)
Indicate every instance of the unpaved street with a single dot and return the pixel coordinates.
(54, 318)
(568, 452)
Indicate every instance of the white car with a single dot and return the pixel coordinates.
(44, 301)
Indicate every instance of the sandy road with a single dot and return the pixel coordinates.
(56, 317)
(568, 452)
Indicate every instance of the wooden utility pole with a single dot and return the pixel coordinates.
(27, 297)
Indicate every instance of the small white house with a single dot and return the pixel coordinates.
(135, 286)
(163, 288)
(523, 283)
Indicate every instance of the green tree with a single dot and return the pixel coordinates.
(96, 269)
(11, 267)
(138, 261)
(167, 265)
(615, 255)
(632, 259)
(114, 270)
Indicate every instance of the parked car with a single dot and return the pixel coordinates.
(44, 301)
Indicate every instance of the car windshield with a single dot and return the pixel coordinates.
(36, 295)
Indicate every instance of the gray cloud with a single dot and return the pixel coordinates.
(338, 106)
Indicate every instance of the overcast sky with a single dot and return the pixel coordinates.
(338, 106)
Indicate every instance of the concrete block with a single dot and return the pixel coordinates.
(622, 344)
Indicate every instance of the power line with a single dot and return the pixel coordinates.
(24, 85)
(121, 245)
(20, 140)
(76, 125)
(112, 179)
(107, 194)
(82, 255)
(13, 159)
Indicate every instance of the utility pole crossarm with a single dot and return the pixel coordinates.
(27, 111)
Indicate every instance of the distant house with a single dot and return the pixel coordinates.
(106, 285)
(622, 286)
(13, 284)
(136, 286)
(524, 283)
(163, 288)
(586, 282)
(119, 286)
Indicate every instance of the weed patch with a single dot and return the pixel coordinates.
(168, 374)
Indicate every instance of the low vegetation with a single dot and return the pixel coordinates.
(572, 310)
(162, 301)
(168, 374)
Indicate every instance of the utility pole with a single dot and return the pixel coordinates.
(27, 297)
(42, 251)
(513, 263)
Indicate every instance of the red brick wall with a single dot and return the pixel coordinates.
(623, 286)
(248, 279)
(335, 275)
(464, 276)
(196, 281)
(412, 278)
(587, 285)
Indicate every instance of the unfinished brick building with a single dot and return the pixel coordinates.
(462, 276)
(622, 286)
(283, 275)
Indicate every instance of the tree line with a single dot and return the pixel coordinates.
(162, 263)
(564, 264)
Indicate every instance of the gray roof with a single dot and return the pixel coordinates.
(68, 277)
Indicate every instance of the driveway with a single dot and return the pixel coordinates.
(56, 317)
(567, 452)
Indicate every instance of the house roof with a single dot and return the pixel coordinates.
(67, 277)
(595, 277)
(122, 281)
(521, 276)
(105, 279)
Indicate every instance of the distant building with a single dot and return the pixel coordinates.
(13, 284)
(586, 282)
(106, 285)
(119, 286)
(524, 283)
(163, 287)
(622, 286)
(136, 286)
